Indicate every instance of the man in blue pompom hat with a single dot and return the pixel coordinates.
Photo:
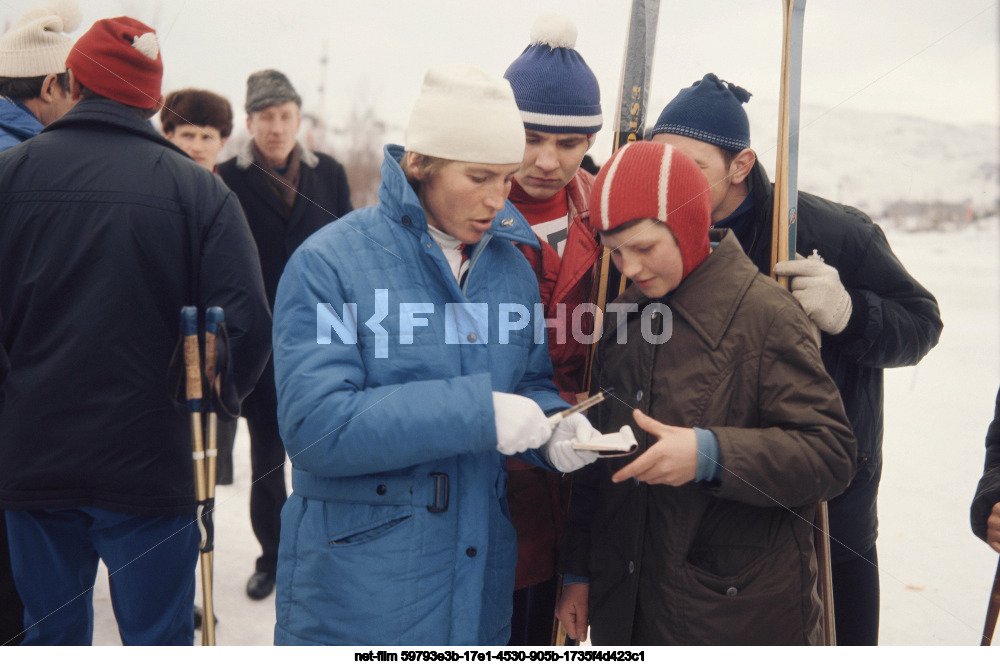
(560, 104)
(871, 313)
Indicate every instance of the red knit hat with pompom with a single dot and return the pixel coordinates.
(119, 58)
(646, 180)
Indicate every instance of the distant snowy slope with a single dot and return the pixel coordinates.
(870, 160)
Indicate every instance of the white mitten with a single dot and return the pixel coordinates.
(817, 287)
(521, 424)
(559, 448)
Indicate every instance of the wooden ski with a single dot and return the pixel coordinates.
(786, 198)
(630, 126)
(786, 193)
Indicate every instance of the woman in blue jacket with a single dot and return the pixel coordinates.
(407, 364)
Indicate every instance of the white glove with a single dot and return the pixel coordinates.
(521, 424)
(818, 289)
(559, 448)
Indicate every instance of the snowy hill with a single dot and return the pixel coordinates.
(871, 160)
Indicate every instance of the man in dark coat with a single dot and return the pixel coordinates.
(34, 91)
(106, 231)
(287, 192)
(985, 512)
(872, 314)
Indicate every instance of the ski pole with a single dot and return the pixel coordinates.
(992, 611)
(214, 317)
(192, 365)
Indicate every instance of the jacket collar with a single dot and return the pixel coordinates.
(110, 113)
(398, 200)
(709, 297)
(17, 119)
(245, 158)
(578, 193)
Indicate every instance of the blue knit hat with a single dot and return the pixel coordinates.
(711, 110)
(554, 88)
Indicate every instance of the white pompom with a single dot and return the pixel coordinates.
(69, 12)
(147, 44)
(555, 30)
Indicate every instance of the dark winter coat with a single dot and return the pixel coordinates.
(538, 498)
(894, 323)
(730, 562)
(324, 196)
(106, 231)
(988, 491)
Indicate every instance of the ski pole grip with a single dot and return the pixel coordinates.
(189, 321)
(214, 316)
(192, 358)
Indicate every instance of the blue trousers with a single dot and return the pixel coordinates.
(151, 562)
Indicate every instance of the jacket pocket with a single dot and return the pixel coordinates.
(767, 602)
(363, 524)
(732, 537)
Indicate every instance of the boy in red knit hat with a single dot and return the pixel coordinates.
(705, 536)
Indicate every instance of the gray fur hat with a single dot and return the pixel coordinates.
(267, 88)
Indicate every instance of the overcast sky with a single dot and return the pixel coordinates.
(931, 58)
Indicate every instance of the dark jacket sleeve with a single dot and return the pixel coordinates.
(230, 278)
(343, 191)
(988, 491)
(895, 321)
(575, 553)
(574, 556)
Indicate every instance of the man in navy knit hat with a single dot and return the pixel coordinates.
(560, 104)
(870, 312)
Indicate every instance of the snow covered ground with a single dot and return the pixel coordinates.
(935, 574)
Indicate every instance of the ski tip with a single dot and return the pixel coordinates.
(554, 30)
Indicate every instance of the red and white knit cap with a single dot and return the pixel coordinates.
(119, 58)
(646, 180)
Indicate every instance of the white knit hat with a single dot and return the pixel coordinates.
(466, 115)
(36, 44)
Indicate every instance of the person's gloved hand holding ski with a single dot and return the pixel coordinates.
(818, 289)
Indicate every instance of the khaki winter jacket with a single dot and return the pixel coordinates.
(730, 562)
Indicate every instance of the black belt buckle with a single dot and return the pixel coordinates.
(441, 487)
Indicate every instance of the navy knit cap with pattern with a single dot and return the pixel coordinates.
(711, 110)
(555, 90)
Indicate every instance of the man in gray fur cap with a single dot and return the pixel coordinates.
(287, 192)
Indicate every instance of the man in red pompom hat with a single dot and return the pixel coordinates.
(705, 536)
(108, 230)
